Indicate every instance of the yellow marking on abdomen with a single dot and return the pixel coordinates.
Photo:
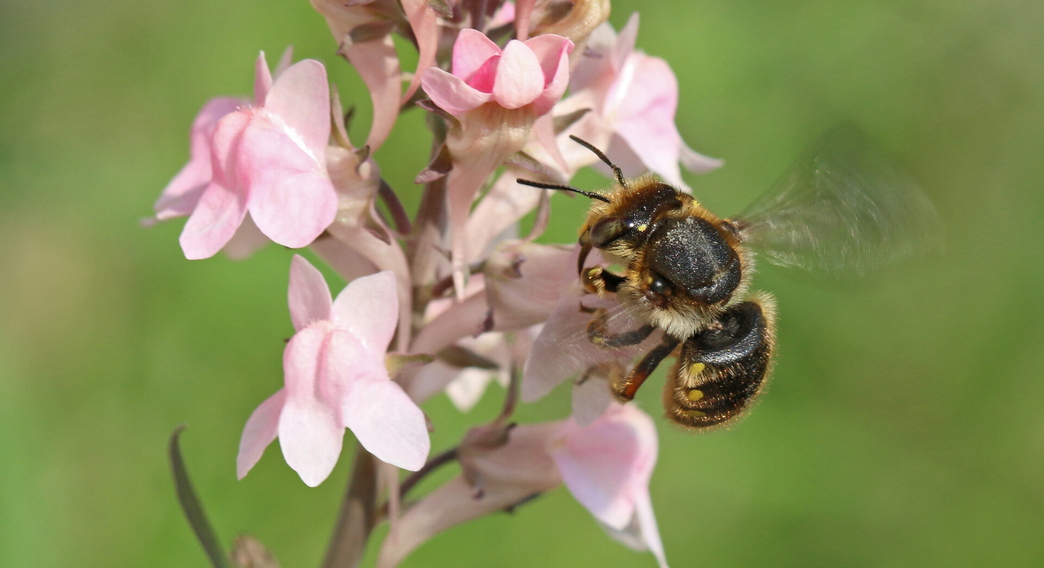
(694, 395)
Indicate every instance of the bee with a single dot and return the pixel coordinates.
(687, 272)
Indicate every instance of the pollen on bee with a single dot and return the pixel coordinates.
(642, 228)
(695, 369)
(694, 395)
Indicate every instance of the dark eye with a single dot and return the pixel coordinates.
(660, 285)
(608, 230)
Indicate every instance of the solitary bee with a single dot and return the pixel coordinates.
(688, 272)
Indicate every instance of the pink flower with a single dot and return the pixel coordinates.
(268, 159)
(634, 99)
(496, 97)
(606, 466)
(335, 378)
(532, 73)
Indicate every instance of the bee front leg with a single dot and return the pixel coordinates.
(625, 389)
(598, 332)
(597, 280)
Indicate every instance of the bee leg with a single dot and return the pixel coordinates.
(626, 388)
(599, 334)
(597, 280)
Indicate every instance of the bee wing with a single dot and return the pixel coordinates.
(563, 348)
(841, 209)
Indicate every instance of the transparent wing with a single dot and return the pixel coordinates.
(563, 348)
(841, 209)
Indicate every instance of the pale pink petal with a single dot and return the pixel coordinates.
(591, 399)
(310, 432)
(285, 60)
(520, 80)
(597, 465)
(214, 221)
(262, 80)
(548, 50)
(301, 100)
(510, 474)
(526, 280)
(345, 261)
(467, 388)
(378, 66)
(369, 308)
(504, 15)
(309, 296)
(291, 198)
(696, 162)
(260, 431)
(650, 533)
(624, 43)
(470, 52)
(183, 192)
(451, 93)
(506, 203)
(247, 240)
(387, 423)
(524, 10)
(464, 319)
(425, 28)
(555, 88)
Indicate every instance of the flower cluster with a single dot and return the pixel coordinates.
(280, 167)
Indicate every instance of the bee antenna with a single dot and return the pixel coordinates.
(543, 185)
(601, 156)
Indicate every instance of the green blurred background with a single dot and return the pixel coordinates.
(905, 422)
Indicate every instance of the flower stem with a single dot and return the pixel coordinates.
(433, 464)
(358, 514)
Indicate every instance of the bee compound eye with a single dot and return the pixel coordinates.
(658, 289)
(608, 230)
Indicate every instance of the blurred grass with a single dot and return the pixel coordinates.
(904, 424)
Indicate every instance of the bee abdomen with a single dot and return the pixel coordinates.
(722, 368)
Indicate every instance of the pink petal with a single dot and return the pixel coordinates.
(378, 65)
(451, 93)
(470, 52)
(285, 60)
(553, 52)
(310, 432)
(467, 388)
(369, 308)
(591, 399)
(301, 99)
(486, 77)
(183, 192)
(260, 430)
(505, 204)
(510, 474)
(247, 240)
(520, 79)
(650, 533)
(216, 218)
(387, 423)
(524, 8)
(597, 464)
(425, 28)
(624, 44)
(262, 80)
(697, 163)
(309, 296)
(291, 198)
